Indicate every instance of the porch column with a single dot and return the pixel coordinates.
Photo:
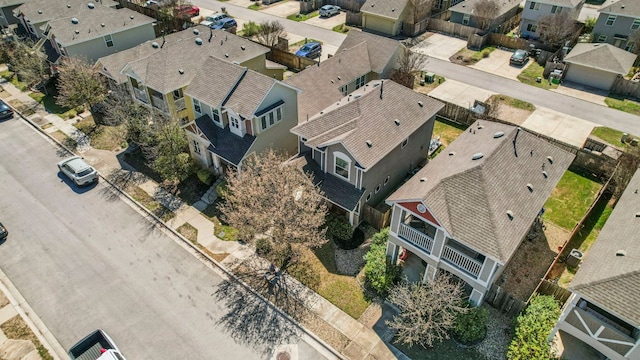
(429, 274)
(438, 244)
(216, 164)
(392, 251)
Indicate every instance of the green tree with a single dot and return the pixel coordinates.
(530, 341)
(79, 84)
(171, 153)
(30, 65)
(380, 273)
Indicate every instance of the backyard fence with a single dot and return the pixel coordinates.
(626, 88)
(450, 28)
(550, 288)
(168, 24)
(353, 18)
(346, 5)
(292, 61)
(503, 301)
(378, 217)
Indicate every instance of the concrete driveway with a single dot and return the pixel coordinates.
(557, 125)
(440, 46)
(583, 92)
(328, 23)
(283, 9)
(498, 64)
(460, 93)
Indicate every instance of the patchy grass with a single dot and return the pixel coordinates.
(484, 53)
(191, 189)
(611, 136)
(189, 232)
(103, 137)
(221, 230)
(570, 200)
(15, 328)
(254, 6)
(303, 17)
(531, 73)
(13, 79)
(628, 106)
(447, 131)
(446, 350)
(516, 103)
(46, 126)
(4, 301)
(49, 102)
(463, 57)
(64, 139)
(428, 87)
(150, 203)
(342, 28)
(137, 160)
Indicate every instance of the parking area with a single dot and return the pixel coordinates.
(583, 92)
(283, 9)
(563, 127)
(328, 23)
(459, 93)
(498, 64)
(440, 46)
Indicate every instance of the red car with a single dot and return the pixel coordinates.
(187, 10)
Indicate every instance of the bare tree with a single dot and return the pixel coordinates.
(409, 64)
(276, 203)
(634, 42)
(628, 164)
(427, 311)
(556, 28)
(420, 9)
(269, 32)
(79, 84)
(485, 11)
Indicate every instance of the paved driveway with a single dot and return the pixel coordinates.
(557, 125)
(440, 46)
(583, 92)
(460, 93)
(328, 23)
(498, 64)
(283, 9)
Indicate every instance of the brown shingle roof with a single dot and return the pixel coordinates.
(629, 8)
(387, 8)
(217, 79)
(601, 56)
(613, 282)
(249, 93)
(381, 49)
(470, 198)
(370, 118)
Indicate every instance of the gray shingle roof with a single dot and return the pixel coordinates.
(563, 3)
(38, 11)
(217, 80)
(249, 93)
(223, 143)
(160, 70)
(629, 8)
(613, 282)
(466, 7)
(356, 120)
(601, 56)
(381, 49)
(387, 8)
(4, 3)
(470, 198)
(320, 85)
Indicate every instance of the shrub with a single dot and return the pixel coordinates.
(380, 274)
(221, 190)
(250, 28)
(533, 328)
(471, 326)
(338, 228)
(486, 53)
(205, 176)
(263, 247)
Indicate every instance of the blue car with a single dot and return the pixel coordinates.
(5, 111)
(226, 23)
(310, 50)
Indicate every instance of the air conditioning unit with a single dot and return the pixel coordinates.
(574, 258)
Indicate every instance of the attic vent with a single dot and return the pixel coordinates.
(510, 214)
(131, 17)
(480, 127)
(452, 153)
(369, 143)
(477, 156)
(155, 45)
(356, 96)
(181, 71)
(226, 55)
(339, 78)
(545, 174)
(196, 32)
(621, 253)
(331, 81)
(91, 5)
(198, 41)
(242, 47)
(530, 187)
(39, 11)
(68, 6)
(498, 134)
(638, 214)
(74, 21)
(397, 122)
(102, 25)
(77, 31)
(550, 159)
(420, 103)
(423, 179)
(393, 9)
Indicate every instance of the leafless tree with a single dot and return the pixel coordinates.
(427, 311)
(634, 42)
(420, 9)
(275, 203)
(269, 32)
(628, 164)
(485, 11)
(556, 28)
(409, 64)
(79, 83)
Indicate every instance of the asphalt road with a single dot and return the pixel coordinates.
(84, 259)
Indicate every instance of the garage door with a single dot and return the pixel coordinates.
(378, 24)
(590, 77)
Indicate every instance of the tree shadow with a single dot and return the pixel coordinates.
(122, 179)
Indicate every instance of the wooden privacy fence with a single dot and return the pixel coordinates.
(550, 288)
(290, 60)
(503, 301)
(307, 6)
(167, 23)
(353, 18)
(378, 217)
(450, 28)
(626, 88)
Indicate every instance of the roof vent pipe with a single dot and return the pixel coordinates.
(397, 122)
(498, 134)
(510, 214)
(530, 187)
(369, 143)
(550, 159)
(545, 174)
(477, 156)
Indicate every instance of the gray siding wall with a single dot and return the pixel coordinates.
(7, 16)
(621, 26)
(530, 16)
(330, 153)
(97, 48)
(278, 136)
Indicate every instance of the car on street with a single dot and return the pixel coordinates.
(213, 19)
(310, 50)
(186, 10)
(520, 57)
(5, 110)
(3, 233)
(78, 171)
(329, 10)
(226, 23)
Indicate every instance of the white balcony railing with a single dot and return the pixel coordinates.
(462, 261)
(141, 95)
(180, 104)
(159, 103)
(416, 237)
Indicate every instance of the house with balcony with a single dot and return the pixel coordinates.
(536, 9)
(363, 146)
(603, 312)
(238, 112)
(159, 79)
(465, 13)
(617, 20)
(468, 210)
(83, 28)
(7, 17)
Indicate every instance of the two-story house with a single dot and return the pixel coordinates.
(6, 12)
(362, 147)
(467, 211)
(603, 312)
(238, 112)
(465, 13)
(83, 28)
(385, 16)
(159, 79)
(616, 21)
(534, 10)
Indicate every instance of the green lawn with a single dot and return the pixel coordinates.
(516, 103)
(484, 53)
(446, 350)
(531, 73)
(254, 6)
(110, 138)
(342, 28)
(447, 131)
(49, 102)
(9, 76)
(611, 136)
(221, 230)
(303, 17)
(631, 107)
(570, 200)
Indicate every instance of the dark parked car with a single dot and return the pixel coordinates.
(5, 110)
(310, 50)
(186, 10)
(3, 232)
(520, 57)
(226, 23)
(329, 10)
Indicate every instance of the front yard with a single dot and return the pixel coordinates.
(531, 74)
(110, 138)
(626, 105)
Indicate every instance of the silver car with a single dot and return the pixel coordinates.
(78, 171)
(329, 10)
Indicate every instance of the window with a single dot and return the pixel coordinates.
(368, 197)
(177, 94)
(271, 118)
(404, 143)
(343, 90)
(465, 19)
(556, 9)
(196, 147)
(196, 106)
(235, 122)
(377, 188)
(216, 116)
(108, 40)
(342, 165)
(610, 20)
(532, 27)
(386, 181)
(360, 81)
(636, 24)
(534, 6)
(602, 38)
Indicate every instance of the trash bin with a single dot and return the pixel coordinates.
(429, 77)
(555, 80)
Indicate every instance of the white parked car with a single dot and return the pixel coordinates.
(78, 171)
(213, 19)
(329, 10)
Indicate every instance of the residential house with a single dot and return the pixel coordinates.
(385, 16)
(597, 65)
(362, 147)
(463, 13)
(442, 5)
(617, 20)
(603, 312)
(159, 79)
(238, 112)
(7, 17)
(468, 210)
(536, 9)
(83, 28)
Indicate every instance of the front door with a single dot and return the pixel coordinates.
(235, 125)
